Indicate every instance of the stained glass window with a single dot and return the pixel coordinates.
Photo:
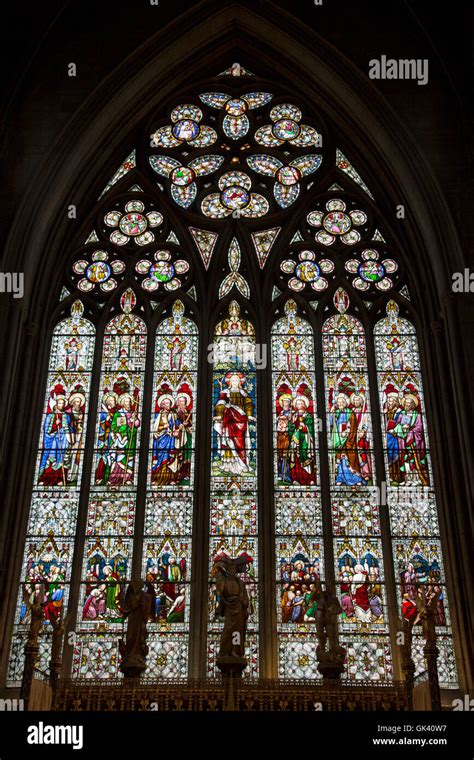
(169, 500)
(108, 550)
(357, 542)
(411, 498)
(233, 497)
(51, 531)
(218, 184)
(234, 221)
(298, 518)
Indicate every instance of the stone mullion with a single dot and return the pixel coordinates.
(198, 631)
(324, 453)
(143, 454)
(268, 637)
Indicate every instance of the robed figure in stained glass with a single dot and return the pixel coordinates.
(57, 438)
(411, 440)
(391, 412)
(124, 431)
(406, 448)
(72, 350)
(183, 436)
(76, 407)
(233, 412)
(343, 425)
(105, 438)
(301, 447)
(283, 437)
(171, 462)
(164, 467)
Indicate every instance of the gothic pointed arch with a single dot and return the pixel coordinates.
(200, 197)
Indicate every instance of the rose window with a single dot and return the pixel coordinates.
(337, 223)
(239, 120)
(134, 224)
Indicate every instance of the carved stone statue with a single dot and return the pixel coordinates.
(330, 661)
(405, 626)
(234, 608)
(58, 625)
(36, 609)
(426, 605)
(426, 602)
(138, 606)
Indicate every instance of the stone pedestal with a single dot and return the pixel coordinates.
(331, 664)
(31, 657)
(431, 652)
(408, 669)
(231, 669)
(133, 666)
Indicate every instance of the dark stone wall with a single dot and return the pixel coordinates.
(39, 40)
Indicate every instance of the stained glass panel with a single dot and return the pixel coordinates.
(49, 545)
(298, 515)
(233, 523)
(169, 501)
(417, 552)
(106, 566)
(360, 581)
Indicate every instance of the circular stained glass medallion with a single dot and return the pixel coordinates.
(185, 129)
(133, 224)
(236, 107)
(288, 175)
(99, 271)
(286, 129)
(371, 271)
(162, 271)
(235, 197)
(336, 223)
(182, 176)
(307, 271)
